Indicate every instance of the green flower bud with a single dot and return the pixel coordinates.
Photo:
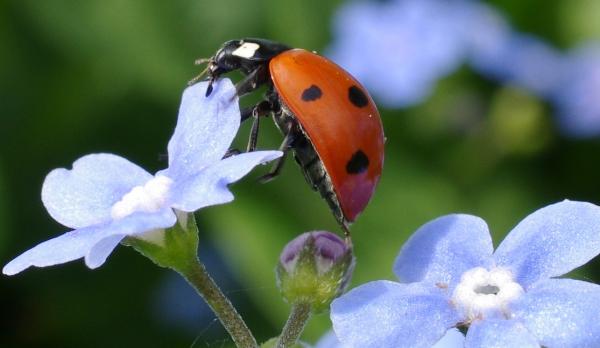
(315, 268)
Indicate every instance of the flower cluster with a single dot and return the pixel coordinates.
(450, 277)
(406, 46)
(106, 198)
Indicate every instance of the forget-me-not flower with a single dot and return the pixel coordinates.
(106, 198)
(451, 277)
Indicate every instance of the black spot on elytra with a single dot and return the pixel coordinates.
(312, 93)
(358, 163)
(357, 97)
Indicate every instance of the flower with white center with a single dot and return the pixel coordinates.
(106, 198)
(482, 293)
(451, 277)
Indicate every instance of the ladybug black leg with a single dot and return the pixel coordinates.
(252, 81)
(253, 134)
(285, 147)
(261, 109)
(231, 152)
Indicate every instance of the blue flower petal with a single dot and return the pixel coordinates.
(499, 333)
(84, 242)
(442, 249)
(329, 340)
(551, 242)
(100, 251)
(452, 339)
(562, 313)
(84, 196)
(64, 248)
(390, 314)
(205, 128)
(209, 187)
(135, 224)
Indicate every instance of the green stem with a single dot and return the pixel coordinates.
(197, 275)
(295, 325)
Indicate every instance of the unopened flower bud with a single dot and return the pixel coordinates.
(315, 268)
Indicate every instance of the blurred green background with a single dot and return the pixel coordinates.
(78, 77)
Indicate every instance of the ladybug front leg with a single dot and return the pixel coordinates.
(252, 81)
(285, 147)
(261, 109)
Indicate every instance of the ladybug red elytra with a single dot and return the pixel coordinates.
(326, 116)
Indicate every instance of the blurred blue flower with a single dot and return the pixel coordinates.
(399, 49)
(497, 52)
(106, 198)
(451, 277)
(577, 98)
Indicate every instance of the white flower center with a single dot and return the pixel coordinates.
(148, 198)
(482, 293)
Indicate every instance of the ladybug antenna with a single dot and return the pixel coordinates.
(198, 77)
(200, 61)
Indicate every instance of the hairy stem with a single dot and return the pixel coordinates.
(295, 324)
(197, 275)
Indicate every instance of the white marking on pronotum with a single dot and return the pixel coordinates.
(246, 50)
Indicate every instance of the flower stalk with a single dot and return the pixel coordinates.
(197, 275)
(295, 324)
(178, 250)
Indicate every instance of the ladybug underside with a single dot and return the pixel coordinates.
(307, 158)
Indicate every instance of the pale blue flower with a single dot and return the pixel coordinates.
(106, 198)
(451, 277)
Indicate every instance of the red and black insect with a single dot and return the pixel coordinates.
(326, 116)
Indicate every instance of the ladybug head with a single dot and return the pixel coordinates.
(227, 58)
(245, 55)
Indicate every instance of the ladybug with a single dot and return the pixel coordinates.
(326, 116)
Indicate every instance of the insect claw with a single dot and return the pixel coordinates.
(346, 229)
(209, 89)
